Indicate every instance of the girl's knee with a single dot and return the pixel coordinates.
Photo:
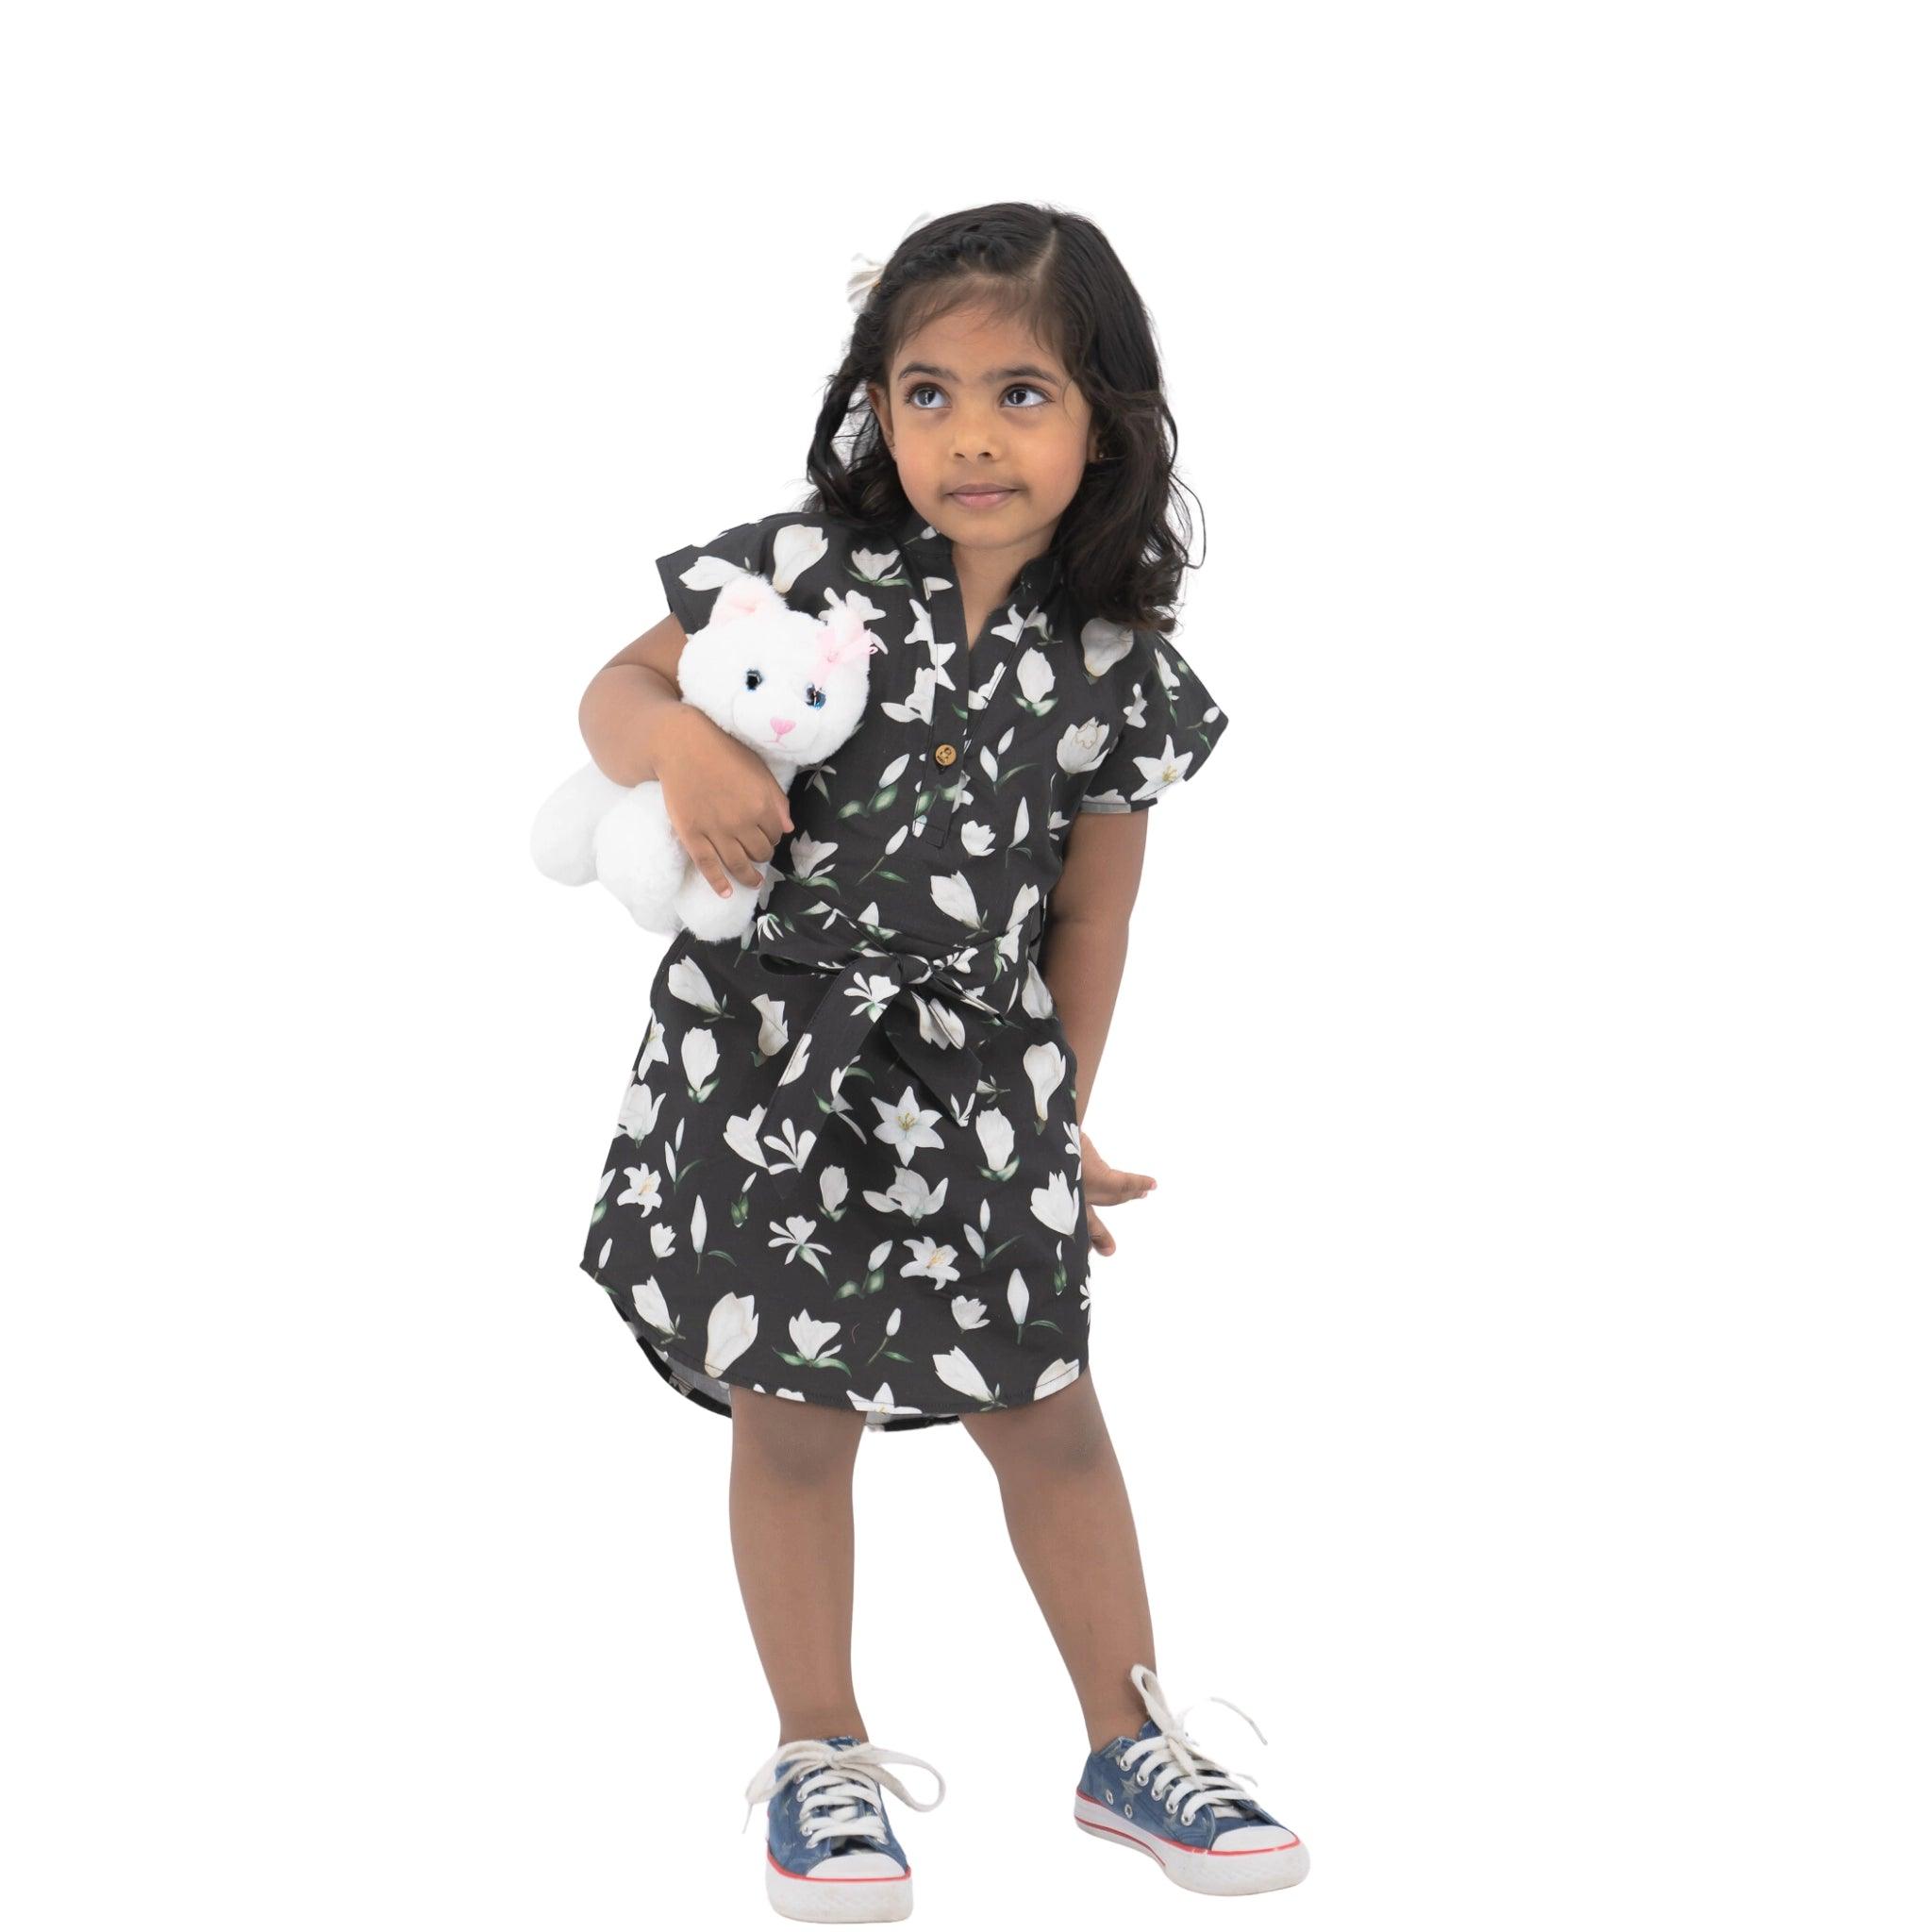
(800, 1439)
(1060, 1432)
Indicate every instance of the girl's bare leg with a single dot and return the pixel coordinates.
(791, 1535)
(1073, 1530)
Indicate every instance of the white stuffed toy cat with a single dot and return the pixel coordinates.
(791, 686)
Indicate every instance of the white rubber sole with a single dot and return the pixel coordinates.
(1266, 1868)
(836, 1901)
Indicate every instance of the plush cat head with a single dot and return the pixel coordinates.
(788, 685)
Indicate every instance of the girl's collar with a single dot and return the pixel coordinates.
(1038, 576)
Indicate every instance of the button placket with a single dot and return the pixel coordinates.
(950, 741)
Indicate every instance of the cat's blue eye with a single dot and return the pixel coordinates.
(753, 679)
(815, 697)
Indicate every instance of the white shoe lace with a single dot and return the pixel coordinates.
(837, 1788)
(1181, 1771)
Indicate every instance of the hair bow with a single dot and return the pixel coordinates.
(865, 272)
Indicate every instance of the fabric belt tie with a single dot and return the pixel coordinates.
(907, 997)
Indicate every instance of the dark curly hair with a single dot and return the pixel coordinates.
(1122, 543)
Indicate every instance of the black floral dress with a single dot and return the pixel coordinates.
(846, 1168)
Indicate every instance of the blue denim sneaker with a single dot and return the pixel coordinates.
(831, 1856)
(1161, 1793)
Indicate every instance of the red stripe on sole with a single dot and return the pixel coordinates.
(1101, 1814)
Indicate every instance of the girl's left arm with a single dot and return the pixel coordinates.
(1083, 952)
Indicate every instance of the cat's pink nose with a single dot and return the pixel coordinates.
(781, 725)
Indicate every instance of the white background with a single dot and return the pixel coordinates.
(1519, 1372)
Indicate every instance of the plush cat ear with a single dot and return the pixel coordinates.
(745, 595)
(844, 638)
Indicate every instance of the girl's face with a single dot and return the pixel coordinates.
(975, 404)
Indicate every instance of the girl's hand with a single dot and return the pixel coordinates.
(1108, 1185)
(725, 807)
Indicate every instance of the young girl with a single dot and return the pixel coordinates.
(850, 1189)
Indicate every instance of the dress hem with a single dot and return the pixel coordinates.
(666, 1360)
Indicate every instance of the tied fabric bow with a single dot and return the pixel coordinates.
(883, 990)
(866, 271)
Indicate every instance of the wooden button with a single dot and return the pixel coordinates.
(945, 754)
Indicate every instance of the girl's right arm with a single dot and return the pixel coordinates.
(725, 807)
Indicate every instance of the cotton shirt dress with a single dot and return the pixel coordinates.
(846, 1168)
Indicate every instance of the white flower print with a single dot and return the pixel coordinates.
(644, 1190)
(794, 1235)
(940, 1023)
(603, 1189)
(604, 1253)
(809, 1336)
(732, 1328)
(874, 564)
(807, 855)
(968, 1313)
(931, 1262)
(1054, 1205)
(1035, 676)
(1022, 824)
(832, 1188)
(794, 1149)
(741, 1137)
(1017, 1298)
(917, 709)
(980, 696)
(882, 1403)
(995, 1133)
(976, 839)
(892, 1323)
(699, 1053)
(663, 1240)
(699, 1225)
(1054, 1373)
(872, 992)
(907, 1126)
(955, 1369)
(1135, 712)
(1035, 996)
(794, 550)
(1025, 900)
(954, 897)
(1046, 1067)
(801, 1055)
(1104, 643)
(654, 1052)
(773, 1032)
(686, 981)
(637, 1115)
(1158, 774)
(911, 1194)
(1081, 747)
(647, 1298)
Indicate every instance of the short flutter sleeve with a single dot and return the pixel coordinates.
(693, 577)
(1169, 726)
